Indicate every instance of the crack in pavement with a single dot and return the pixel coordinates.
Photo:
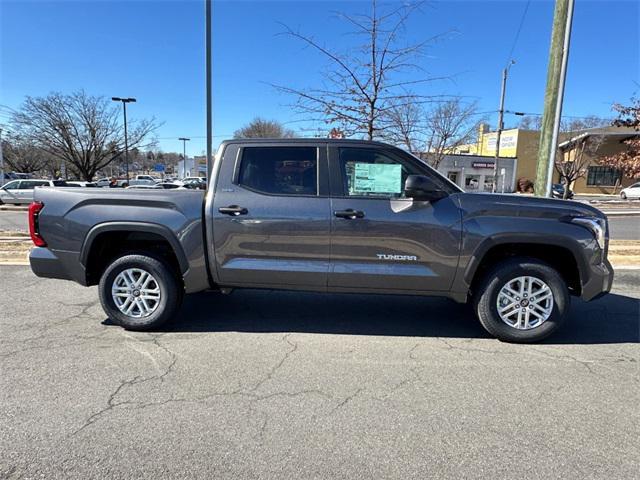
(111, 401)
(249, 394)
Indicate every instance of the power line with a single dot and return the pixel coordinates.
(515, 40)
(530, 114)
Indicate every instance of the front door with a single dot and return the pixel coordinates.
(380, 239)
(11, 192)
(271, 217)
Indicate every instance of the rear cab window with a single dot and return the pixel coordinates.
(279, 170)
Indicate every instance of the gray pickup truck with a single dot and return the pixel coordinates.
(328, 216)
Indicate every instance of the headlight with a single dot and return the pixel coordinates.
(597, 225)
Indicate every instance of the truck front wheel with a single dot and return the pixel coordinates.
(140, 292)
(522, 300)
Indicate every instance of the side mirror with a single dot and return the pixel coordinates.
(423, 188)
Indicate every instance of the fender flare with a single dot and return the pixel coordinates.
(509, 238)
(146, 227)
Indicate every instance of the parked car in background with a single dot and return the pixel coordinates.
(18, 192)
(143, 187)
(170, 186)
(632, 191)
(103, 182)
(137, 183)
(557, 191)
(194, 183)
(80, 183)
(147, 177)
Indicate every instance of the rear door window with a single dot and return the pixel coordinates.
(280, 170)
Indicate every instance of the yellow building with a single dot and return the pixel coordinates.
(523, 145)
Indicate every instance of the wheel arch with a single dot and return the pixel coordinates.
(563, 254)
(130, 236)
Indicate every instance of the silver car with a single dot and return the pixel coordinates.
(19, 192)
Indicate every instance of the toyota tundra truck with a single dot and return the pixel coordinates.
(325, 215)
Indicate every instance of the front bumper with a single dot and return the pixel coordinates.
(599, 281)
(57, 264)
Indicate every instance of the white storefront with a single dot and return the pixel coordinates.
(475, 173)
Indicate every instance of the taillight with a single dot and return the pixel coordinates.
(34, 211)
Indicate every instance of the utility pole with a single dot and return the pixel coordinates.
(208, 66)
(556, 76)
(184, 155)
(505, 72)
(1, 161)
(126, 140)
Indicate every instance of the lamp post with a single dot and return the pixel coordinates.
(126, 140)
(184, 155)
(1, 161)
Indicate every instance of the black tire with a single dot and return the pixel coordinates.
(486, 297)
(623, 196)
(171, 291)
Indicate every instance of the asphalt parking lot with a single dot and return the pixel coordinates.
(291, 385)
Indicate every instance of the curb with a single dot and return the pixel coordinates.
(5, 208)
(620, 213)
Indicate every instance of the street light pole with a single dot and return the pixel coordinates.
(184, 155)
(126, 139)
(503, 91)
(1, 161)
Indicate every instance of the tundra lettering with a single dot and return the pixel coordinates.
(319, 215)
(385, 256)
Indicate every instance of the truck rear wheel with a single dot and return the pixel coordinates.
(522, 300)
(140, 292)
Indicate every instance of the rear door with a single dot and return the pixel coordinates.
(25, 191)
(380, 239)
(271, 216)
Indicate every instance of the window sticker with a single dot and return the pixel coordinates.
(376, 178)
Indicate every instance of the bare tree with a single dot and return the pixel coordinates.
(449, 125)
(534, 122)
(627, 161)
(531, 122)
(361, 86)
(573, 161)
(82, 130)
(261, 128)
(405, 126)
(23, 157)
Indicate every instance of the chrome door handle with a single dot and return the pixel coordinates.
(234, 210)
(349, 214)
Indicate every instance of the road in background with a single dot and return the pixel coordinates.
(13, 221)
(624, 227)
(301, 385)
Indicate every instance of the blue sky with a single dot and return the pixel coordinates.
(154, 51)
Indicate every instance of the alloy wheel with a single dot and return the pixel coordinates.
(525, 302)
(136, 292)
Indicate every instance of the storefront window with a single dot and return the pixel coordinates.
(472, 182)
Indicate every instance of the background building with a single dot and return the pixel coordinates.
(474, 173)
(522, 146)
